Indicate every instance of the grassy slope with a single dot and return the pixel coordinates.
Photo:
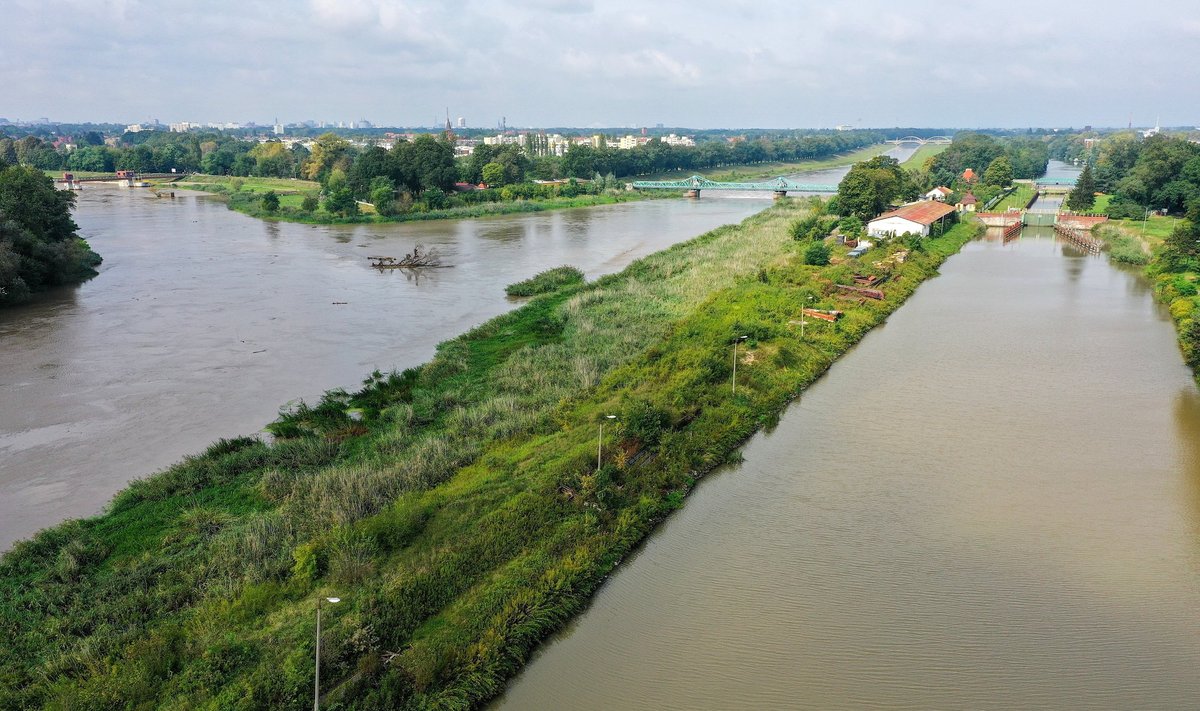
(924, 153)
(1018, 198)
(460, 517)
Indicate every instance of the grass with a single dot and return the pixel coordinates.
(759, 171)
(546, 282)
(455, 507)
(228, 184)
(1019, 198)
(1123, 247)
(923, 154)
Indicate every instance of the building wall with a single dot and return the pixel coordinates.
(895, 226)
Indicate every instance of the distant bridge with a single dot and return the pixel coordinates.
(1055, 182)
(938, 140)
(696, 183)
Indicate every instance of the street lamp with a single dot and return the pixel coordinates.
(600, 441)
(317, 665)
(733, 388)
(809, 298)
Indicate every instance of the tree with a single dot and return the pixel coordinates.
(329, 151)
(39, 247)
(1083, 195)
(270, 201)
(493, 175)
(309, 204)
(339, 199)
(273, 160)
(383, 195)
(999, 172)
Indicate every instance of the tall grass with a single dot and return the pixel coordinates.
(1122, 246)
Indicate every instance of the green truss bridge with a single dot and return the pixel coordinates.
(693, 185)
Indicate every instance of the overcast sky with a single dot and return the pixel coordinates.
(699, 63)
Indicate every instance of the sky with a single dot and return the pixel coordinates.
(596, 63)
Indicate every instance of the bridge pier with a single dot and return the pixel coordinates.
(780, 194)
(693, 193)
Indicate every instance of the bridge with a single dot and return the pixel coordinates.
(693, 185)
(127, 178)
(937, 140)
(1055, 182)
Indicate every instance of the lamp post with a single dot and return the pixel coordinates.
(807, 300)
(317, 665)
(733, 388)
(600, 441)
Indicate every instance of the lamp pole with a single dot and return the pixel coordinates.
(600, 441)
(317, 664)
(807, 299)
(733, 385)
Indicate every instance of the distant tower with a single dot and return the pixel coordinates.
(448, 133)
(462, 122)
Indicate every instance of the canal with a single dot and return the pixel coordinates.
(992, 502)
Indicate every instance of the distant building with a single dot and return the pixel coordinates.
(462, 122)
(915, 218)
(967, 203)
(940, 193)
(969, 176)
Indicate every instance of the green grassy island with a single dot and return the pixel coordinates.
(456, 508)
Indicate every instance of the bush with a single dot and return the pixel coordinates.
(546, 282)
(817, 254)
(309, 204)
(270, 201)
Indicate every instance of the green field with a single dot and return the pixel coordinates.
(924, 153)
(456, 508)
(225, 183)
(1018, 198)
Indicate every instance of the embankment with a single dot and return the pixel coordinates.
(457, 508)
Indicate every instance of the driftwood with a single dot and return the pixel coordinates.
(419, 258)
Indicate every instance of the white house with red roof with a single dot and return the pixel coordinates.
(940, 193)
(916, 218)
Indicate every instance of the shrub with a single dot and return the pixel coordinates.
(309, 204)
(817, 254)
(546, 282)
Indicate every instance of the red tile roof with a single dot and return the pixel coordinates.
(968, 175)
(968, 199)
(923, 213)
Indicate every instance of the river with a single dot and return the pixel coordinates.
(992, 502)
(204, 322)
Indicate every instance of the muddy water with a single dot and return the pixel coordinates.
(993, 502)
(203, 322)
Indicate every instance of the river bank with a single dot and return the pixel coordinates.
(244, 195)
(456, 506)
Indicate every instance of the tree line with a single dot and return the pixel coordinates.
(1161, 172)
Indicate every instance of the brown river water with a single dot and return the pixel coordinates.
(203, 322)
(992, 502)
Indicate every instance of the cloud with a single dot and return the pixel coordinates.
(563, 62)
